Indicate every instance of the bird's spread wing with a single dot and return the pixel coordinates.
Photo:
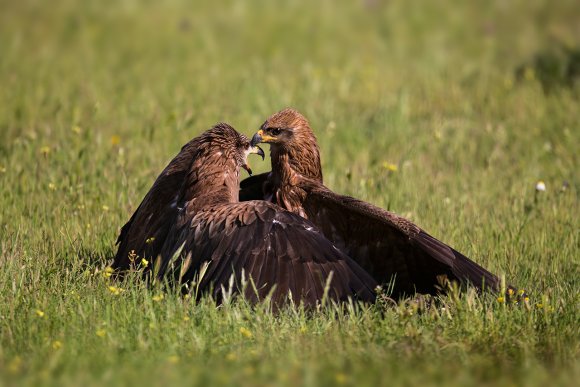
(391, 247)
(147, 228)
(277, 252)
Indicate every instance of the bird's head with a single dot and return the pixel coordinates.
(283, 129)
(289, 135)
(233, 145)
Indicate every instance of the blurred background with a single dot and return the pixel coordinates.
(433, 88)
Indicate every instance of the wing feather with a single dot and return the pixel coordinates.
(284, 250)
(388, 246)
(157, 213)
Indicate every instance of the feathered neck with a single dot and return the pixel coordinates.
(298, 157)
(292, 162)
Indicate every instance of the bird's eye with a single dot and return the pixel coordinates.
(276, 131)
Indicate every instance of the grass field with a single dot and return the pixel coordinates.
(441, 112)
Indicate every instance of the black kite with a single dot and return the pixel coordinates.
(386, 245)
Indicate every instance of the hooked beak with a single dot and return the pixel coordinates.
(257, 150)
(256, 139)
(253, 150)
(248, 169)
(260, 136)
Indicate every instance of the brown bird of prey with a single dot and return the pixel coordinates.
(390, 248)
(192, 212)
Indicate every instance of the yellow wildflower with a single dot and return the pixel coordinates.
(56, 344)
(108, 272)
(501, 300)
(115, 140)
(144, 262)
(390, 166)
(149, 240)
(185, 318)
(510, 292)
(105, 208)
(158, 298)
(246, 333)
(76, 129)
(39, 313)
(101, 332)
(115, 290)
(51, 186)
(45, 150)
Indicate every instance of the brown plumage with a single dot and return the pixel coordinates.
(386, 245)
(192, 212)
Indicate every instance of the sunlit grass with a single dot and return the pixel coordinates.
(417, 108)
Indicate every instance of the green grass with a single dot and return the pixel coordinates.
(96, 98)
